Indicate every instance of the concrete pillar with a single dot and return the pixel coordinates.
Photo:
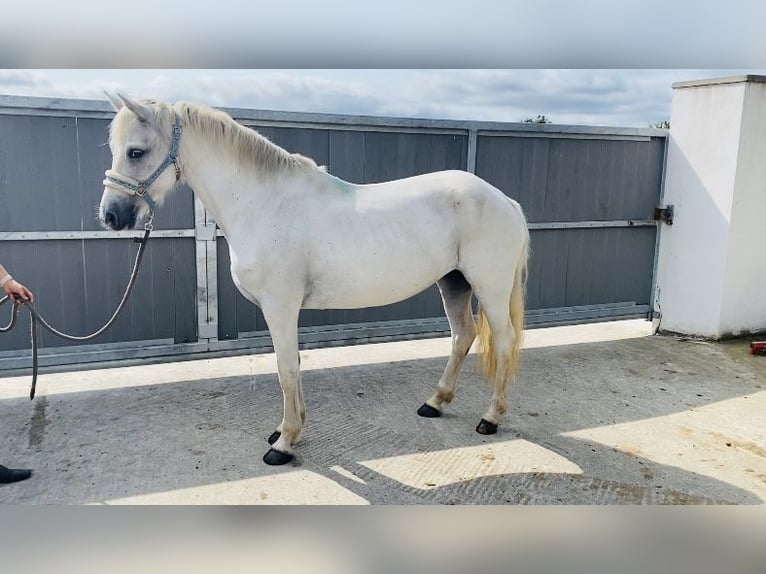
(711, 272)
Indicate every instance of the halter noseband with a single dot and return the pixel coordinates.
(141, 188)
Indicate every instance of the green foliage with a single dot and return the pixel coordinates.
(540, 119)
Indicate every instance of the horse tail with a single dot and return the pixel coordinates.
(518, 299)
(486, 357)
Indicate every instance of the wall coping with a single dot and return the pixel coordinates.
(746, 78)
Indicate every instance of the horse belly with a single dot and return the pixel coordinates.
(366, 294)
(353, 282)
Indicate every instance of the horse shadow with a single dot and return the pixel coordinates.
(99, 446)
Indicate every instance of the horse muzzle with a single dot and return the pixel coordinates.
(119, 215)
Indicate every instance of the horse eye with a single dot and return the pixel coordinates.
(135, 153)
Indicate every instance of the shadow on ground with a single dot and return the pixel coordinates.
(127, 443)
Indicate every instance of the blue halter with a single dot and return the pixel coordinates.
(141, 188)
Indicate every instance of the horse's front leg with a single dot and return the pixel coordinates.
(283, 327)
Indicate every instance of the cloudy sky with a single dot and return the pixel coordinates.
(594, 62)
(613, 97)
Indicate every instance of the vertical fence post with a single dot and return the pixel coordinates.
(471, 160)
(207, 276)
(654, 303)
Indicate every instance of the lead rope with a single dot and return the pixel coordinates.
(133, 187)
(36, 318)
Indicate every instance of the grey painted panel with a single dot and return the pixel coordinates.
(78, 284)
(52, 162)
(52, 169)
(382, 156)
(94, 157)
(228, 296)
(368, 157)
(311, 143)
(39, 181)
(574, 180)
(572, 267)
(346, 154)
(235, 313)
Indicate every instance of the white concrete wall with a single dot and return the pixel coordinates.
(744, 301)
(711, 276)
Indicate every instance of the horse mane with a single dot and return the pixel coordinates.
(223, 131)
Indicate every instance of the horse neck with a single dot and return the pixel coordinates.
(233, 193)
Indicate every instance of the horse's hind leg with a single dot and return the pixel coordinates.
(456, 295)
(494, 305)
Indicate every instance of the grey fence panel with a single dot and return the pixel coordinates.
(52, 169)
(78, 284)
(39, 187)
(375, 156)
(93, 157)
(561, 179)
(581, 180)
(578, 267)
(311, 143)
(589, 194)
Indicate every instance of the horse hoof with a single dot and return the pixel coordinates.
(274, 437)
(429, 412)
(276, 458)
(486, 427)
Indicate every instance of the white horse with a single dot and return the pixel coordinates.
(301, 238)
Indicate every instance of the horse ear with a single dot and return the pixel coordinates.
(114, 100)
(143, 112)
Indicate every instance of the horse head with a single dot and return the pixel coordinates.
(144, 139)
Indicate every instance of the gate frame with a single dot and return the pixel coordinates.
(205, 233)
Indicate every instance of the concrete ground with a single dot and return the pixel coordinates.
(603, 414)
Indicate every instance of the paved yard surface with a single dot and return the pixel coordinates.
(603, 414)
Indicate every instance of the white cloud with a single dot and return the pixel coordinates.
(605, 97)
(11, 79)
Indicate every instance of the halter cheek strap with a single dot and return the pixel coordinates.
(141, 188)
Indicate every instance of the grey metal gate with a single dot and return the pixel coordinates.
(589, 194)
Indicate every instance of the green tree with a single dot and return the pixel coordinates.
(665, 124)
(540, 119)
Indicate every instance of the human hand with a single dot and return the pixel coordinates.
(17, 292)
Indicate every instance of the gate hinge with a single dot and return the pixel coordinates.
(664, 214)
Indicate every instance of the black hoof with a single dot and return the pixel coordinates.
(8, 475)
(276, 458)
(429, 412)
(486, 427)
(274, 437)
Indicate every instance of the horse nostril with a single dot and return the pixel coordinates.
(110, 218)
